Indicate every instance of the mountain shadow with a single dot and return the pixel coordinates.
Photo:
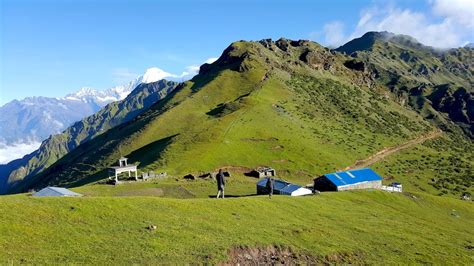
(150, 153)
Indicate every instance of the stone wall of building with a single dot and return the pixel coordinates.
(364, 185)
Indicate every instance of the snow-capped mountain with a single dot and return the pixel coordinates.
(106, 96)
(35, 118)
(154, 74)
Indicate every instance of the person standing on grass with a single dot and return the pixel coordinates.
(220, 183)
(269, 186)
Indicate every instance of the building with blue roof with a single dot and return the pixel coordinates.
(281, 187)
(347, 180)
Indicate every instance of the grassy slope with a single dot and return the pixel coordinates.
(304, 124)
(404, 58)
(438, 84)
(439, 167)
(370, 227)
(444, 166)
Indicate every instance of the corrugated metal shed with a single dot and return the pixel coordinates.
(282, 188)
(353, 177)
(56, 192)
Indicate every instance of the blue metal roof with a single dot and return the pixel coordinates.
(279, 185)
(353, 177)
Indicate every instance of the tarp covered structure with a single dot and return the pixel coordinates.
(56, 192)
(282, 188)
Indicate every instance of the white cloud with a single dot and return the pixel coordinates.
(153, 74)
(460, 11)
(191, 71)
(9, 153)
(404, 21)
(450, 24)
(334, 33)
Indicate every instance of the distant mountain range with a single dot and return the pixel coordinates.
(34, 119)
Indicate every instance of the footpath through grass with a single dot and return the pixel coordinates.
(372, 226)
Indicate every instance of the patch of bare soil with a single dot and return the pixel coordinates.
(277, 147)
(232, 168)
(411, 195)
(276, 255)
(280, 161)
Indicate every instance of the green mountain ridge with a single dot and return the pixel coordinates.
(299, 107)
(56, 146)
(436, 83)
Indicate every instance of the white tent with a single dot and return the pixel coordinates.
(56, 192)
(301, 192)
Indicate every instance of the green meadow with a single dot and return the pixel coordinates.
(354, 227)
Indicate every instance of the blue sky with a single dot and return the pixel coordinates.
(52, 47)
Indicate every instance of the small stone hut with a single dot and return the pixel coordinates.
(263, 172)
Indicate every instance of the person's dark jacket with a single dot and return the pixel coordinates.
(269, 185)
(220, 181)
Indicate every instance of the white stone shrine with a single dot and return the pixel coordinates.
(123, 167)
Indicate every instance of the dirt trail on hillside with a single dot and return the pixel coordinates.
(391, 150)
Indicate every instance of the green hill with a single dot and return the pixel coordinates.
(368, 227)
(294, 105)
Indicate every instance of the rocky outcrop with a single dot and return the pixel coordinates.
(355, 65)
